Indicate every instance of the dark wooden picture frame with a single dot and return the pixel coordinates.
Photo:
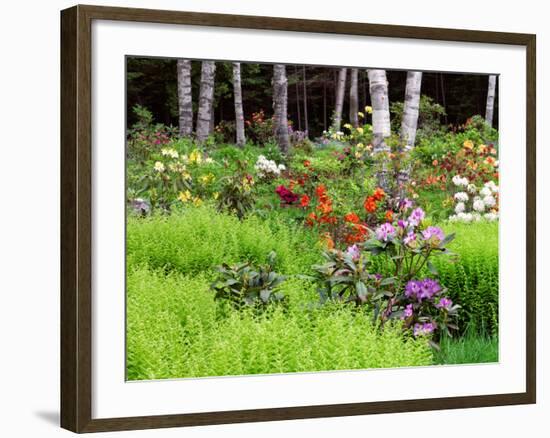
(76, 218)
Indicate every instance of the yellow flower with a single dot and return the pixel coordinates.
(361, 115)
(206, 179)
(215, 195)
(348, 126)
(481, 148)
(468, 144)
(186, 175)
(360, 146)
(197, 201)
(360, 130)
(195, 156)
(358, 154)
(159, 166)
(184, 196)
(170, 152)
(368, 109)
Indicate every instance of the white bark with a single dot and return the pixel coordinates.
(239, 114)
(489, 111)
(353, 98)
(339, 104)
(185, 99)
(411, 110)
(206, 98)
(280, 100)
(378, 87)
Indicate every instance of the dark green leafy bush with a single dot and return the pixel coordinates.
(245, 284)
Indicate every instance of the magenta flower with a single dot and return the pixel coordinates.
(286, 195)
(444, 303)
(408, 312)
(416, 217)
(424, 329)
(422, 289)
(409, 238)
(405, 204)
(412, 289)
(433, 232)
(401, 224)
(385, 232)
(354, 252)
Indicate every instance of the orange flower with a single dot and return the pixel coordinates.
(379, 194)
(352, 218)
(311, 219)
(327, 240)
(325, 208)
(307, 163)
(389, 215)
(370, 204)
(435, 162)
(304, 201)
(320, 191)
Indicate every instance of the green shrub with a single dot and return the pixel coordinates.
(199, 239)
(173, 331)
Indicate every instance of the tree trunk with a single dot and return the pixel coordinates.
(340, 90)
(353, 98)
(489, 111)
(239, 114)
(306, 122)
(411, 109)
(206, 98)
(378, 87)
(185, 99)
(280, 100)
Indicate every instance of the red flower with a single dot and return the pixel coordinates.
(304, 201)
(320, 191)
(286, 195)
(352, 218)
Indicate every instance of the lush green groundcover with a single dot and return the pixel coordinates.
(174, 329)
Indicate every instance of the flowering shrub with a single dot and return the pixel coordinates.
(408, 245)
(472, 203)
(259, 128)
(145, 136)
(268, 168)
(236, 193)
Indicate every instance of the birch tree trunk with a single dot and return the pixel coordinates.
(354, 97)
(239, 114)
(280, 100)
(409, 124)
(206, 97)
(411, 110)
(185, 99)
(378, 87)
(340, 90)
(489, 110)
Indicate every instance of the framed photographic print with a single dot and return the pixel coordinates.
(268, 219)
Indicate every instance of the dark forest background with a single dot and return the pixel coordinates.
(152, 82)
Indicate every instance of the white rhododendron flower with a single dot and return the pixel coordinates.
(159, 166)
(462, 196)
(485, 191)
(460, 207)
(491, 216)
(489, 201)
(479, 205)
(472, 189)
(465, 217)
(266, 167)
(169, 152)
(459, 181)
